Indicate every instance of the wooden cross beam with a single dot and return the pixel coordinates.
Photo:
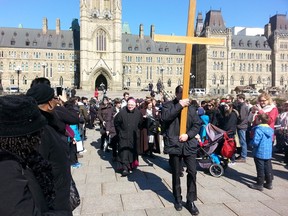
(188, 40)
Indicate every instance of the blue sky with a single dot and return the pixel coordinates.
(168, 16)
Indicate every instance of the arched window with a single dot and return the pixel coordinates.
(258, 80)
(281, 81)
(61, 81)
(128, 82)
(250, 80)
(101, 40)
(214, 79)
(12, 81)
(231, 80)
(24, 80)
(138, 82)
(268, 81)
(169, 82)
(242, 80)
(222, 80)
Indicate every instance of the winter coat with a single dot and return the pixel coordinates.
(144, 132)
(54, 149)
(170, 115)
(243, 110)
(228, 122)
(262, 141)
(20, 192)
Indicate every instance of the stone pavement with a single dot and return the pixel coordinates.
(147, 191)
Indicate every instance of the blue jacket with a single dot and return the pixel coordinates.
(76, 132)
(262, 141)
(203, 133)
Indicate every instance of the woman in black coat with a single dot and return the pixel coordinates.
(26, 180)
(53, 148)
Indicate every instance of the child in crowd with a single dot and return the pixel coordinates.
(262, 152)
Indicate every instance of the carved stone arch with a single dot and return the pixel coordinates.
(101, 75)
(104, 29)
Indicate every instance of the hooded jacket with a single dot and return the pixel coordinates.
(262, 141)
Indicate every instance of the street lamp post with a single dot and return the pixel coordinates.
(192, 81)
(18, 71)
(162, 78)
(44, 65)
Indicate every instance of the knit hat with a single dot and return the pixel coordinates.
(19, 115)
(42, 93)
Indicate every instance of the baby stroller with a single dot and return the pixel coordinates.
(209, 153)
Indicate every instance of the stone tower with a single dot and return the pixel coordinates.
(100, 44)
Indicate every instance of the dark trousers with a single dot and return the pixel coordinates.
(114, 145)
(264, 170)
(176, 166)
(73, 153)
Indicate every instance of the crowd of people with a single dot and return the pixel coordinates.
(43, 134)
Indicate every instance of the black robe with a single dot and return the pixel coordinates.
(127, 124)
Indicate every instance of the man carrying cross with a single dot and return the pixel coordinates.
(181, 122)
(183, 146)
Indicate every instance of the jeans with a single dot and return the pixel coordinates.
(264, 171)
(190, 162)
(242, 139)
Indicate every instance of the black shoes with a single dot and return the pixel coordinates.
(178, 206)
(191, 207)
(268, 186)
(125, 173)
(256, 187)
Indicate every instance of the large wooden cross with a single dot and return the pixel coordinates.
(188, 40)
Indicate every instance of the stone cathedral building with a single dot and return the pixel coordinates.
(102, 50)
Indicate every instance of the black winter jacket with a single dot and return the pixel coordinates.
(170, 117)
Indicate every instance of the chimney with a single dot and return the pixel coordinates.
(44, 25)
(152, 32)
(141, 31)
(267, 30)
(58, 26)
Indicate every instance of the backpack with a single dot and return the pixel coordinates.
(229, 146)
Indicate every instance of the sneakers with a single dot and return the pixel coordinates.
(231, 163)
(76, 165)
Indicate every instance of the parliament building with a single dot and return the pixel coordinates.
(102, 50)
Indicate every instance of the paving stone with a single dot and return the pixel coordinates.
(127, 213)
(148, 190)
(100, 178)
(279, 205)
(215, 210)
(101, 204)
(245, 194)
(118, 188)
(251, 208)
(151, 184)
(141, 201)
(163, 212)
(208, 196)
